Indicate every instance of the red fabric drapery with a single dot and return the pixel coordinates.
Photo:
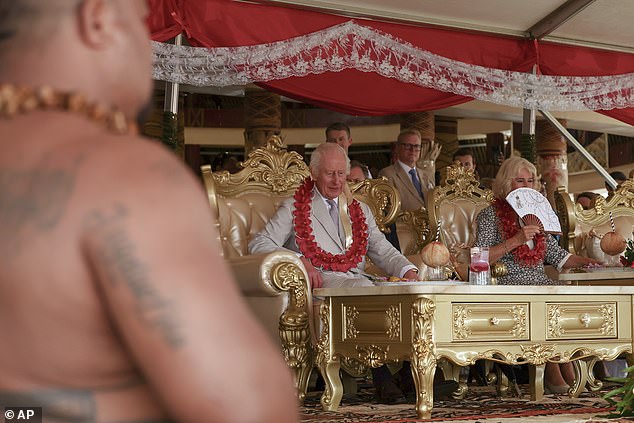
(215, 23)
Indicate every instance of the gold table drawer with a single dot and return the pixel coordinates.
(494, 322)
(581, 320)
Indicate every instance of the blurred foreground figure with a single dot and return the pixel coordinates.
(115, 305)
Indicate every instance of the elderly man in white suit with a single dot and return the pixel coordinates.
(319, 208)
(329, 166)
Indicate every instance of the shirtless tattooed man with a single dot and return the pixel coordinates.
(115, 305)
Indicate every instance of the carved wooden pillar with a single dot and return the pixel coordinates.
(493, 156)
(423, 121)
(263, 117)
(158, 124)
(552, 159)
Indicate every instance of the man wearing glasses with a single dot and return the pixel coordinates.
(410, 181)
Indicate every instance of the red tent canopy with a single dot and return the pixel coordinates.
(224, 23)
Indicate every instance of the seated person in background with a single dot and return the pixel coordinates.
(586, 199)
(339, 133)
(466, 158)
(409, 180)
(225, 161)
(523, 248)
(329, 166)
(358, 172)
(619, 177)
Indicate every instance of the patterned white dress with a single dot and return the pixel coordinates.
(489, 235)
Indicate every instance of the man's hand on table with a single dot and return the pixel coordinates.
(411, 275)
(314, 276)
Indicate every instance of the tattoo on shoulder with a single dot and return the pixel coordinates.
(118, 260)
(32, 200)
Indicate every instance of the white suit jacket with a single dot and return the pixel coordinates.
(279, 233)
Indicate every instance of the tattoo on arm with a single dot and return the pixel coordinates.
(117, 256)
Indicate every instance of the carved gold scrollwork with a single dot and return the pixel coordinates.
(323, 345)
(351, 318)
(554, 324)
(460, 329)
(519, 321)
(372, 355)
(537, 353)
(457, 183)
(393, 322)
(323, 349)
(418, 220)
(608, 311)
(423, 353)
(381, 196)
(294, 325)
(289, 277)
(270, 169)
(354, 366)
(620, 203)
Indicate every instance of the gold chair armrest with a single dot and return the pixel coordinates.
(270, 274)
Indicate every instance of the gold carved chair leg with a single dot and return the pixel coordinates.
(423, 355)
(583, 370)
(536, 381)
(593, 383)
(295, 336)
(328, 365)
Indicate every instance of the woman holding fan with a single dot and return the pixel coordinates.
(524, 248)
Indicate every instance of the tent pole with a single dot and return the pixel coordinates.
(171, 88)
(564, 132)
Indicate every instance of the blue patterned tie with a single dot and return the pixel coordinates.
(334, 213)
(416, 182)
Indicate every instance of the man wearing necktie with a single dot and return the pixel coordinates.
(411, 183)
(329, 166)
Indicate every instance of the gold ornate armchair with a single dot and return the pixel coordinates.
(454, 205)
(577, 223)
(275, 285)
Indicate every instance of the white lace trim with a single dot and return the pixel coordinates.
(352, 46)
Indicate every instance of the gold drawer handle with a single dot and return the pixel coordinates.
(494, 321)
(585, 319)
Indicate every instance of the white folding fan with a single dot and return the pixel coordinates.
(534, 209)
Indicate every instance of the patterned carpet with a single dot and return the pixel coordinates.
(480, 404)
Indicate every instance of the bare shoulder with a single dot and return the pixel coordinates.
(139, 160)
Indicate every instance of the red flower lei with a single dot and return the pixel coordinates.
(306, 240)
(509, 226)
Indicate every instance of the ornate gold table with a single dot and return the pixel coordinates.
(607, 276)
(463, 323)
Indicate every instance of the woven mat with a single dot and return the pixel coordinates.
(480, 404)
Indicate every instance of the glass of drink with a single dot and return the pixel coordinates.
(479, 272)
